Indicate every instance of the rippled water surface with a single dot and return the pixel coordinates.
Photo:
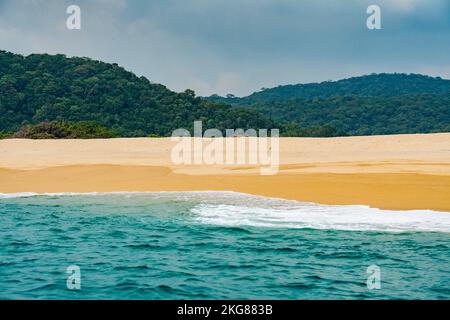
(217, 245)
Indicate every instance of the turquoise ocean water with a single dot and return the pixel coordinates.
(216, 245)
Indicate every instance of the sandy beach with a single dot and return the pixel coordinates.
(388, 172)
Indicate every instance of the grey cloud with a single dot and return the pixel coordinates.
(221, 46)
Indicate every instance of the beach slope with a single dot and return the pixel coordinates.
(388, 172)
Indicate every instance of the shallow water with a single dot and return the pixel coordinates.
(216, 245)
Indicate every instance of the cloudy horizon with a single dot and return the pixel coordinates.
(238, 47)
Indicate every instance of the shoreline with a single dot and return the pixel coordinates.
(394, 191)
(398, 172)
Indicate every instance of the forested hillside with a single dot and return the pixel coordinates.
(374, 85)
(44, 88)
(353, 115)
(367, 105)
(52, 96)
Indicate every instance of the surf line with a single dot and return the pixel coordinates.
(249, 147)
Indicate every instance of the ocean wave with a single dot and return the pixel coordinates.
(233, 209)
(345, 218)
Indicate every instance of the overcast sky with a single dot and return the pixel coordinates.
(237, 46)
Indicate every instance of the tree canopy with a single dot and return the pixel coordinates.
(55, 96)
(367, 105)
(374, 85)
(44, 88)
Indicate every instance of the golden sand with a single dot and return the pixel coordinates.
(389, 172)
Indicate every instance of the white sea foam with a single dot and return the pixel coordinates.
(228, 208)
(351, 218)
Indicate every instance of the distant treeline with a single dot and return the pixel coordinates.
(374, 85)
(367, 105)
(353, 115)
(64, 130)
(52, 96)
